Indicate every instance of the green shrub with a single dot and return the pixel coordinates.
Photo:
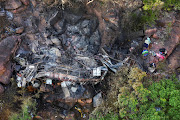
(109, 116)
(153, 8)
(130, 100)
(163, 95)
(27, 108)
(166, 95)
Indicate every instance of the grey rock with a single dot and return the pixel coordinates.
(94, 42)
(65, 89)
(88, 27)
(93, 24)
(97, 100)
(10, 15)
(46, 34)
(63, 105)
(1, 89)
(12, 4)
(90, 62)
(77, 92)
(93, 49)
(85, 28)
(29, 23)
(2, 13)
(95, 38)
(47, 88)
(55, 40)
(60, 25)
(55, 51)
(73, 30)
(85, 23)
(86, 31)
(134, 44)
(136, 34)
(55, 18)
(72, 19)
(88, 93)
(81, 43)
(19, 30)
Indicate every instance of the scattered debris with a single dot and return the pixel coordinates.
(79, 110)
(64, 51)
(65, 89)
(152, 67)
(97, 100)
(47, 62)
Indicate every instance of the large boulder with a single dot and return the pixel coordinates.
(171, 42)
(12, 4)
(8, 47)
(174, 59)
(5, 78)
(25, 2)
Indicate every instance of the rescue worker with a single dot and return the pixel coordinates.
(146, 47)
(152, 67)
(162, 53)
(147, 43)
(145, 53)
(152, 53)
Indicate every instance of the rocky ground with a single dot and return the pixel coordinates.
(69, 39)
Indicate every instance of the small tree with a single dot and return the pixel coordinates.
(28, 107)
(160, 101)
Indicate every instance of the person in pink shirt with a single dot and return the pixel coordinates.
(162, 54)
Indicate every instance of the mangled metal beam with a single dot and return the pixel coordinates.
(64, 77)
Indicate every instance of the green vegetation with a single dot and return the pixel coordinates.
(153, 8)
(109, 116)
(131, 100)
(165, 94)
(27, 110)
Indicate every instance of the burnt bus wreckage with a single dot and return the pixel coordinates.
(46, 68)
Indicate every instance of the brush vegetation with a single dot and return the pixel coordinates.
(27, 111)
(129, 99)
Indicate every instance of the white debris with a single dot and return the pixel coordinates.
(19, 80)
(24, 82)
(31, 66)
(97, 100)
(35, 84)
(49, 81)
(73, 89)
(65, 89)
(97, 71)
